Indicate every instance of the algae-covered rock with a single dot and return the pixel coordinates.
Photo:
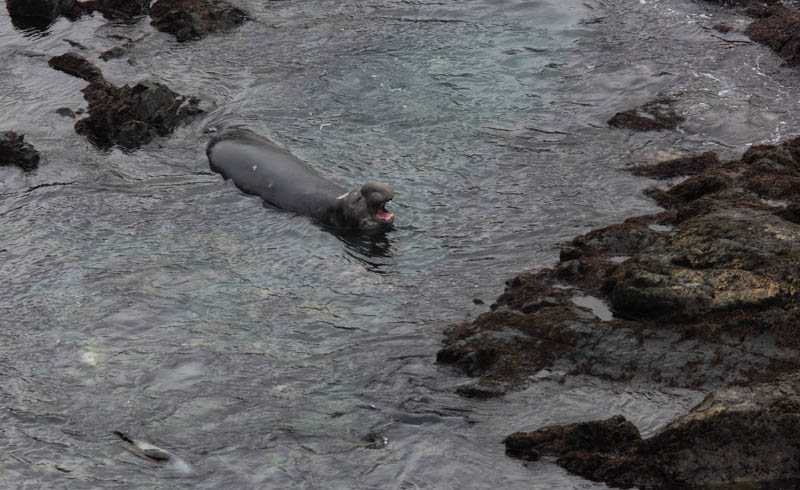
(735, 259)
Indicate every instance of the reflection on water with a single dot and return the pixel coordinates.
(373, 250)
(149, 295)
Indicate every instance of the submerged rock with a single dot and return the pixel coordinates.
(652, 116)
(192, 19)
(738, 437)
(126, 116)
(14, 151)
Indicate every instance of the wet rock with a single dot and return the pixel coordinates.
(126, 116)
(37, 13)
(14, 151)
(132, 116)
(192, 19)
(77, 66)
(707, 301)
(779, 29)
(738, 437)
(723, 28)
(678, 167)
(615, 436)
(115, 52)
(736, 261)
(653, 116)
(66, 112)
(119, 10)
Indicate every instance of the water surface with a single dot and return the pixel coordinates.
(140, 292)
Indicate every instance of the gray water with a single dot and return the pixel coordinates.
(140, 292)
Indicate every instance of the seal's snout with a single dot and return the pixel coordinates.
(377, 195)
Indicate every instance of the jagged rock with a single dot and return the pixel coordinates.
(738, 437)
(707, 300)
(126, 116)
(653, 116)
(132, 116)
(192, 19)
(779, 29)
(14, 151)
(679, 166)
(734, 260)
(77, 66)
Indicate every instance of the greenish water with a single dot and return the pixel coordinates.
(147, 295)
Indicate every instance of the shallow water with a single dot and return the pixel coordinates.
(139, 292)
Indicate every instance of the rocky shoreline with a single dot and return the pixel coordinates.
(702, 295)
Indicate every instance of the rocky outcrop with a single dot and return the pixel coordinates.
(703, 294)
(128, 116)
(738, 437)
(779, 28)
(192, 19)
(37, 13)
(652, 116)
(15, 151)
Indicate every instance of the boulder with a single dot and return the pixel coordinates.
(15, 151)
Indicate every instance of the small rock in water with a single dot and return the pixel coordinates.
(188, 20)
(653, 116)
(14, 151)
(126, 116)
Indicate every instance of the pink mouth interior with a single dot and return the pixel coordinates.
(383, 215)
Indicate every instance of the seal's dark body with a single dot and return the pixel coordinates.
(259, 167)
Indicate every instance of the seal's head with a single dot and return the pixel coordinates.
(366, 207)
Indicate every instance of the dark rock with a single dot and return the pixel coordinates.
(744, 4)
(77, 66)
(723, 28)
(132, 116)
(115, 52)
(14, 151)
(37, 13)
(707, 301)
(66, 112)
(738, 437)
(479, 392)
(192, 19)
(126, 116)
(653, 116)
(680, 166)
(779, 30)
(119, 10)
(731, 260)
(615, 435)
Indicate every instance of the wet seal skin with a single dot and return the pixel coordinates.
(261, 168)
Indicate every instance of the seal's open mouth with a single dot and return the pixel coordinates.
(383, 214)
